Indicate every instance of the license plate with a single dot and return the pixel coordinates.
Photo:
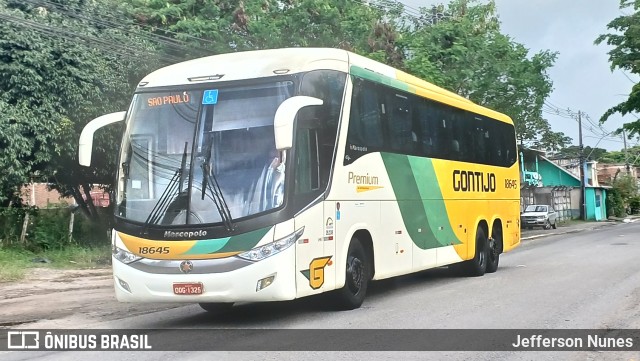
(193, 288)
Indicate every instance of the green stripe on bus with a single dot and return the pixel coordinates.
(407, 195)
(246, 241)
(379, 78)
(206, 246)
(420, 201)
(427, 182)
(240, 243)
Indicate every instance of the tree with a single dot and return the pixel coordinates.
(624, 192)
(573, 152)
(224, 26)
(63, 64)
(625, 56)
(631, 156)
(465, 52)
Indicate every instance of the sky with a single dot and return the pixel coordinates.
(582, 77)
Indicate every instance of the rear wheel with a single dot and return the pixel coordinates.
(216, 307)
(554, 224)
(357, 274)
(477, 266)
(493, 254)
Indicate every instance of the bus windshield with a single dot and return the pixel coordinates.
(204, 156)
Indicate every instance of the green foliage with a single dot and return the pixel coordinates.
(632, 156)
(573, 151)
(48, 228)
(214, 27)
(11, 220)
(466, 53)
(634, 204)
(16, 262)
(63, 64)
(625, 55)
(625, 192)
(615, 203)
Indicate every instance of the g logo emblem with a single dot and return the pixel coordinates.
(316, 271)
(186, 266)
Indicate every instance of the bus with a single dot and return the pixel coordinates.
(278, 174)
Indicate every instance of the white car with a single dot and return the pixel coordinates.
(538, 215)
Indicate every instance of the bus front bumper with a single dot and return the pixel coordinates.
(239, 285)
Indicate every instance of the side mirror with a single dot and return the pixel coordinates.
(86, 137)
(285, 118)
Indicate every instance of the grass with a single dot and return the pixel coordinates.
(15, 263)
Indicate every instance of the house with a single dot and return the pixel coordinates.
(559, 185)
(39, 195)
(608, 172)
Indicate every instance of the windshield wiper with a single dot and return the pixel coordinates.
(210, 181)
(173, 190)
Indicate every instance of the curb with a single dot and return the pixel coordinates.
(589, 228)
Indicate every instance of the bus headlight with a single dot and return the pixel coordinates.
(275, 247)
(123, 256)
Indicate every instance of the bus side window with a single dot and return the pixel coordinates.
(426, 119)
(399, 124)
(365, 126)
(327, 85)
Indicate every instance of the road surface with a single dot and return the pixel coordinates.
(586, 280)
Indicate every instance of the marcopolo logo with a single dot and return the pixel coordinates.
(185, 234)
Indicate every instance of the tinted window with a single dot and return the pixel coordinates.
(417, 126)
(316, 133)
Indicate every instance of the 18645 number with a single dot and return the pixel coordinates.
(511, 184)
(153, 250)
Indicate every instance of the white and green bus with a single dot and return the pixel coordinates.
(278, 174)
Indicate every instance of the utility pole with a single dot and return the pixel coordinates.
(626, 156)
(583, 209)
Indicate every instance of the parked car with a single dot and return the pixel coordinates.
(538, 215)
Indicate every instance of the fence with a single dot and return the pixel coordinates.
(52, 227)
(558, 197)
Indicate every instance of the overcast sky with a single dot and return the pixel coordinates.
(582, 78)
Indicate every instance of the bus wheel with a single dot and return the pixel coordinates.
(352, 294)
(477, 266)
(216, 307)
(493, 256)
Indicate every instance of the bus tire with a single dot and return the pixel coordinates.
(216, 307)
(477, 266)
(356, 282)
(493, 256)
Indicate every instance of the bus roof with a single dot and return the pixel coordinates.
(248, 65)
(271, 62)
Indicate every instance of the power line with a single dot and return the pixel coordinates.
(75, 12)
(109, 46)
(70, 9)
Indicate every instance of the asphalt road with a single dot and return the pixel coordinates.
(586, 280)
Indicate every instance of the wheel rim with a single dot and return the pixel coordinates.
(355, 274)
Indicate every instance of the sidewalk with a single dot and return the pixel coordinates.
(574, 226)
